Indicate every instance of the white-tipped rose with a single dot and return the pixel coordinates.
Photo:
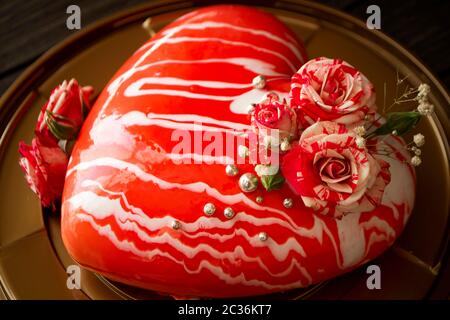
(331, 90)
(332, 174)
(274, 120)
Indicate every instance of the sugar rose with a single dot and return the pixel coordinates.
(331, 90)
(332, 174)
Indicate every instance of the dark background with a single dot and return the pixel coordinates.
(30, 27)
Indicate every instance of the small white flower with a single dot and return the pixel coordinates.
(266, 170)
(395, 132)
(243, 151)
(423, 87)
(416, 151)
(360, 131)
(416, 161)
(360, 142)
(423, 91)
(425, 108)
(419, 139)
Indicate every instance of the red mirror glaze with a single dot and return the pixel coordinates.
(123, 190)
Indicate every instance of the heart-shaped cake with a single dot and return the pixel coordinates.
(160, 192)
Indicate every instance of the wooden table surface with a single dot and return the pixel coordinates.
(30, 27)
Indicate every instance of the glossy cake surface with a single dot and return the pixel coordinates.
(133, 212)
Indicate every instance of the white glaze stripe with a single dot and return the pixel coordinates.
(137, 118)
(104, 207)
(231, 43)
(291, 244)
(198, 119)
(101, 207)
(172, 81)
(191, 252)
(253, 65)
(271, 36)
(134, 90)
(385, 232)
(129, 246)
(130, 72)
(316, 232)
(196, 187)
(199, 158)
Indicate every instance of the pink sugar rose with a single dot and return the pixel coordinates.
(272, 114)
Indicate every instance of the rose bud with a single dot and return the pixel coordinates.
(63, 114)
(44, 165)
(45, 162)
(271, 116)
